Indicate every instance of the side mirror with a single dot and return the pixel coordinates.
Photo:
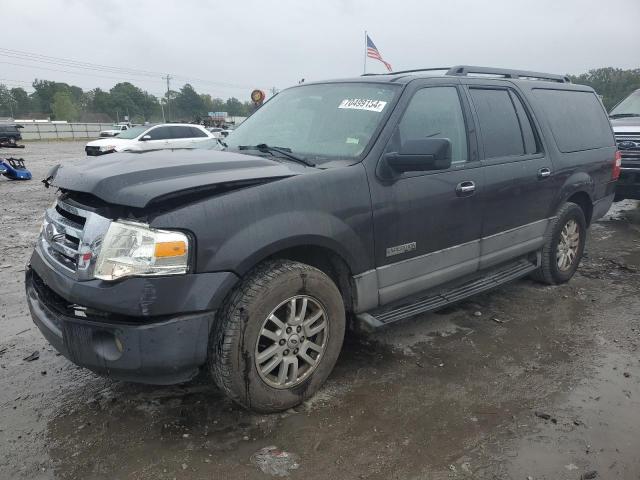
(145, 138)
(418, 156)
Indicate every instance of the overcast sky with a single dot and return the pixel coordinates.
(230, 47)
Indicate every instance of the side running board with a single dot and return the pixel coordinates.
(400, 311)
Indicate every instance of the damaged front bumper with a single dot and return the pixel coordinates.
(163, 348)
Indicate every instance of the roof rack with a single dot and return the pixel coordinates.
(442, 69)
(464, 70)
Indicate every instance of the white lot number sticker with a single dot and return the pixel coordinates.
(363, 104)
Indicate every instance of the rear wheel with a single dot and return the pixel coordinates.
(564, 247)
(278, 336)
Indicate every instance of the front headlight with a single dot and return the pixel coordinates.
(131, 249)
(107, 148)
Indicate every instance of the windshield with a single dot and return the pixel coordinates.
(628, 106)
(133, 132)
(318, 122)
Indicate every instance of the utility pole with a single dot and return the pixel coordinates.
(168, 79)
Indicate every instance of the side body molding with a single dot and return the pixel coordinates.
(407, 277)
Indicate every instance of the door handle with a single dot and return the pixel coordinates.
(544, 173)
(465, 188)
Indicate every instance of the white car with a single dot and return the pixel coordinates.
(151, 137)
(114, 130)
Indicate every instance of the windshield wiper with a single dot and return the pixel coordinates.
(623, 115)
(285, 152)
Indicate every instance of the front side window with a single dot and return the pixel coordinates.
(435, 112)
(319, 122)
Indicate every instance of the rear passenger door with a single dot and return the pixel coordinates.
(519, 188)
(184, 136)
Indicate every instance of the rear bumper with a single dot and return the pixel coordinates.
(601, 207)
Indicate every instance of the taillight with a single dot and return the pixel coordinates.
(617, 163)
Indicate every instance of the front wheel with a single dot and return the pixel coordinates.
(278, 336)
(564, 246)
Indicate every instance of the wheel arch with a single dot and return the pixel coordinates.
(583, 200)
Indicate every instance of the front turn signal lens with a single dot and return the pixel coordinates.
(170, 249)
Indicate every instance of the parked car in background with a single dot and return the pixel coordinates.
(376, 198)
(10, 133)
(150, 137)
(625, 120)
(216, 131)
(115, 130)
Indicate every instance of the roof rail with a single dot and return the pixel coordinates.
(464, 70)
(442, 69)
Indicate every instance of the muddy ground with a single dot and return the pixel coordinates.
(542, 383)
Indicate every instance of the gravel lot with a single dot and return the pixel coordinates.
(527, 381)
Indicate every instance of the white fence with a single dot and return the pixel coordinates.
(70, 131)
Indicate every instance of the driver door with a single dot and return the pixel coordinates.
(427, 225)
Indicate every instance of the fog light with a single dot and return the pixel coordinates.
(107, 345)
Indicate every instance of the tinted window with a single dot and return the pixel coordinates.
(435, 113)
(530, 143)
(577, 119)
(196, 132)
(160, 133)
(499, 124)
(181, 132)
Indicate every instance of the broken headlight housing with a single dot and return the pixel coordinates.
(134, 249)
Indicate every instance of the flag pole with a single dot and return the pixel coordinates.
(365, 53)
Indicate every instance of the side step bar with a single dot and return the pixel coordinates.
(399, 311)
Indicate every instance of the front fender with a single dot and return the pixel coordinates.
(266, 237)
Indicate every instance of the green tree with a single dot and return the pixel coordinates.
(127, 99)
(613, 84)
(6, 101)
(188, 104)
(234, 107)
(22, 101)
(63, 107)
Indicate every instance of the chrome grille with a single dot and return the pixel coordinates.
(71, 239)
(629, 145)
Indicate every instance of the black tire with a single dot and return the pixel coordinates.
(235, 335)
(549, 271)
(618, 198)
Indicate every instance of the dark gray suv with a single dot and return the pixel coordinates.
(370, 199)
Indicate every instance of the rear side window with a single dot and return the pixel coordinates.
(180, 132)
(196, 132)
(577, 119)
(499, 124)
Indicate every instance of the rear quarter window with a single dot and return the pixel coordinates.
(577, 119)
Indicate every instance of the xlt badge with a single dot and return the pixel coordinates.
(398, 249)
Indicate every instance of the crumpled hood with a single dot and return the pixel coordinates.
(136, 179)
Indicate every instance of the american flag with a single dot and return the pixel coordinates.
(372, 52)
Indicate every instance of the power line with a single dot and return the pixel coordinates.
(70, 63)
